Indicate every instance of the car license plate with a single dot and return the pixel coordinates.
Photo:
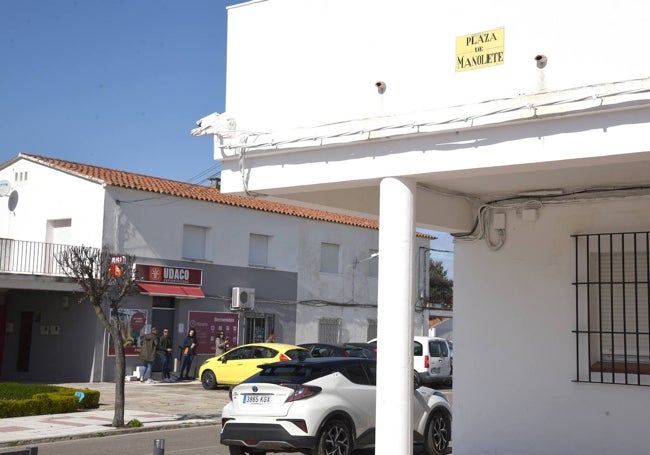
(257, 399)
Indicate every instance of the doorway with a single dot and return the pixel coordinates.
(258, 327)
(162, 317)
(25, 340)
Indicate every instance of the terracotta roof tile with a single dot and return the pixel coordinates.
(123, 179)
(158, 185)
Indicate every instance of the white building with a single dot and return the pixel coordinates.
(520, 127)
(308, 273)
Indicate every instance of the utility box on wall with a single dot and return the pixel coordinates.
(242, 298)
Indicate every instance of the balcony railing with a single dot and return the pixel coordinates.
(30, 258)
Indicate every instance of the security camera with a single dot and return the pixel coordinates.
(541, 60)
(381, 86)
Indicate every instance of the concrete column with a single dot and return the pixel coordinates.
(395, 317)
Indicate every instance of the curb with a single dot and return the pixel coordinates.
(111, 431)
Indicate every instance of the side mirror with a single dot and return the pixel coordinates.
(223, 359)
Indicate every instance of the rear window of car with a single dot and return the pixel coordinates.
(438, 349)
(297, 354)
(295, 374)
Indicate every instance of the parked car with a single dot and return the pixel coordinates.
(325, 350)
(365, 350)
(432, 359)
(362, 350)
(322, 406)
(243, 361)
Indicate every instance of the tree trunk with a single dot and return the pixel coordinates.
(120, 373)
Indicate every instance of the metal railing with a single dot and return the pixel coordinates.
(30, 258)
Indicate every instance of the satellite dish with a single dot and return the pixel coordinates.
(5, 187)
(13, 200)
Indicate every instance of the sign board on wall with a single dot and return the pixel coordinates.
(168, 275)
(134, 324)
(480, 50)
(207, 325)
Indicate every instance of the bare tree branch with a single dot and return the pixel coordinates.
(104, 277)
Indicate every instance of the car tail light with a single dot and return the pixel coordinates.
(284, 358)
(301, 392)
(426, 361)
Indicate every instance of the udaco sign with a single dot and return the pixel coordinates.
(168, 275)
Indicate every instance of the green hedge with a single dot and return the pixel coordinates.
(18, 400)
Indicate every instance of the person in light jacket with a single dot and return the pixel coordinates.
(220, 344)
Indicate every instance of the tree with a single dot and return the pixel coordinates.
(441, 288)
(104, 277)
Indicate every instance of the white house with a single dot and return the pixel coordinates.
(309, 275)
(519, 127)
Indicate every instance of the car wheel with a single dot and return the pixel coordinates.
(209, 381)
(437, 434)
(334, 439)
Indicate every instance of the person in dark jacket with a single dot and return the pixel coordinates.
(165, 347)
(148, 354)
(189, 351)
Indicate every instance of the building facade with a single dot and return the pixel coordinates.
(519, 128)
(204, 260)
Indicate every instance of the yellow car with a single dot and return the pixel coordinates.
(241, 362)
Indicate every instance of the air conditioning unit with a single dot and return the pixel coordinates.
(242, 298)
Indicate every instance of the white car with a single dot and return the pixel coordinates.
(322, 406)
(433, 359)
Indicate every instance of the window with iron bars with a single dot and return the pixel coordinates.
(612, 334)
(329, 330)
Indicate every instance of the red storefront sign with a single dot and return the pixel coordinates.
(168, 275)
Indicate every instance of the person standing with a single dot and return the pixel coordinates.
(148, 354)
(189, 351)
(165, 354)
(220, 343)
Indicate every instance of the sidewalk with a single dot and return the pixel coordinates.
(159, 405)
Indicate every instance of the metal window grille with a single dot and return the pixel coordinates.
(612, 335)
(329, 330)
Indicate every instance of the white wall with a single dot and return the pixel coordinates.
(514, 312)
(305, 62)
(47, 194)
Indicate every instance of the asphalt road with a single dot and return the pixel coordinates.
(183, 441)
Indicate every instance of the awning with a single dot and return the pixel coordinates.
(171, 290)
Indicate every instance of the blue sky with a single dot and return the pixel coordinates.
(116, 83)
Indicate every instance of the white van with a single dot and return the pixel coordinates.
(432, 359)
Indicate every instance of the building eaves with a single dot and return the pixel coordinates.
(140, 182)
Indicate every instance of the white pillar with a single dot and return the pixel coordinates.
(395, 317)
